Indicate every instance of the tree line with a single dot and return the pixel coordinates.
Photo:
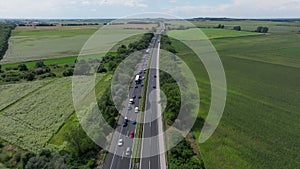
(5, 34)
(182, 156)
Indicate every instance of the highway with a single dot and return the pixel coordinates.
(151, 158)
(118, 159)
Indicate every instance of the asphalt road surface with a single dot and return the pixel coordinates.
(150, 156)
(118, 159)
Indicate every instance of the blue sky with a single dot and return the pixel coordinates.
(121, 8)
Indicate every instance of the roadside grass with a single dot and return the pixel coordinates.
(59, 137)
(259, 127)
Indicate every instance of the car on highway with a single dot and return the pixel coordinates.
(134, 96)
(129, 107)
(120, 142)
(136, 109)
(124, 123)
(154, 87)
(128, 151)
(131, 134)
(131, 101)
(126, 119)
(133, 122)
(154, 76)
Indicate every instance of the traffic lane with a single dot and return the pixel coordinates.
(118, 159)
(110, 157)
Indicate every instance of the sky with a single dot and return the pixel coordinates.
(122, 8)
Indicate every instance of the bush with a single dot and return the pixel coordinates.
(39, 64)
(22, 67)
(68, 72)
(237, 28)
(30, 76)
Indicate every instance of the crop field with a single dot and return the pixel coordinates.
(28, 45)
(260, 126)
(189, 34)
(13, 92)
(31, 121)
(251, 25)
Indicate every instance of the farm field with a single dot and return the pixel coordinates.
(189, 34)
(32, 121)
(259, 128)
(28, 45)
(56, 61)
(249, 25)
(13, 92)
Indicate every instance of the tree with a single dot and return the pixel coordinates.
(237, 28)
(39, 64)
(30, 76)
(258, 29)
(68, 72)
(25, 158)
(101, 69)
(265, 30)
(112, 65)
(262, 29)
(79, 142)
(22, 67)
(122, 49)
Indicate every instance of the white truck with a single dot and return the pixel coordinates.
(137, 79)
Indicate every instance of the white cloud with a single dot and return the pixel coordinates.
(242, 8)
(172, 1)
(129, 3)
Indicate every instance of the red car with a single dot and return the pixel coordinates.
(131, 134)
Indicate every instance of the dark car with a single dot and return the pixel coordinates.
(133, 122)
(124, 123)
(154, 76)
(154, 87)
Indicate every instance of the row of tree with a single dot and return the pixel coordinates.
(182, 155)
(5, 33)
(259, 29)
(22, 72)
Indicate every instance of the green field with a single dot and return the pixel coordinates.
(189, 34)
(260, 126)
(28, 45)
(250, 25)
